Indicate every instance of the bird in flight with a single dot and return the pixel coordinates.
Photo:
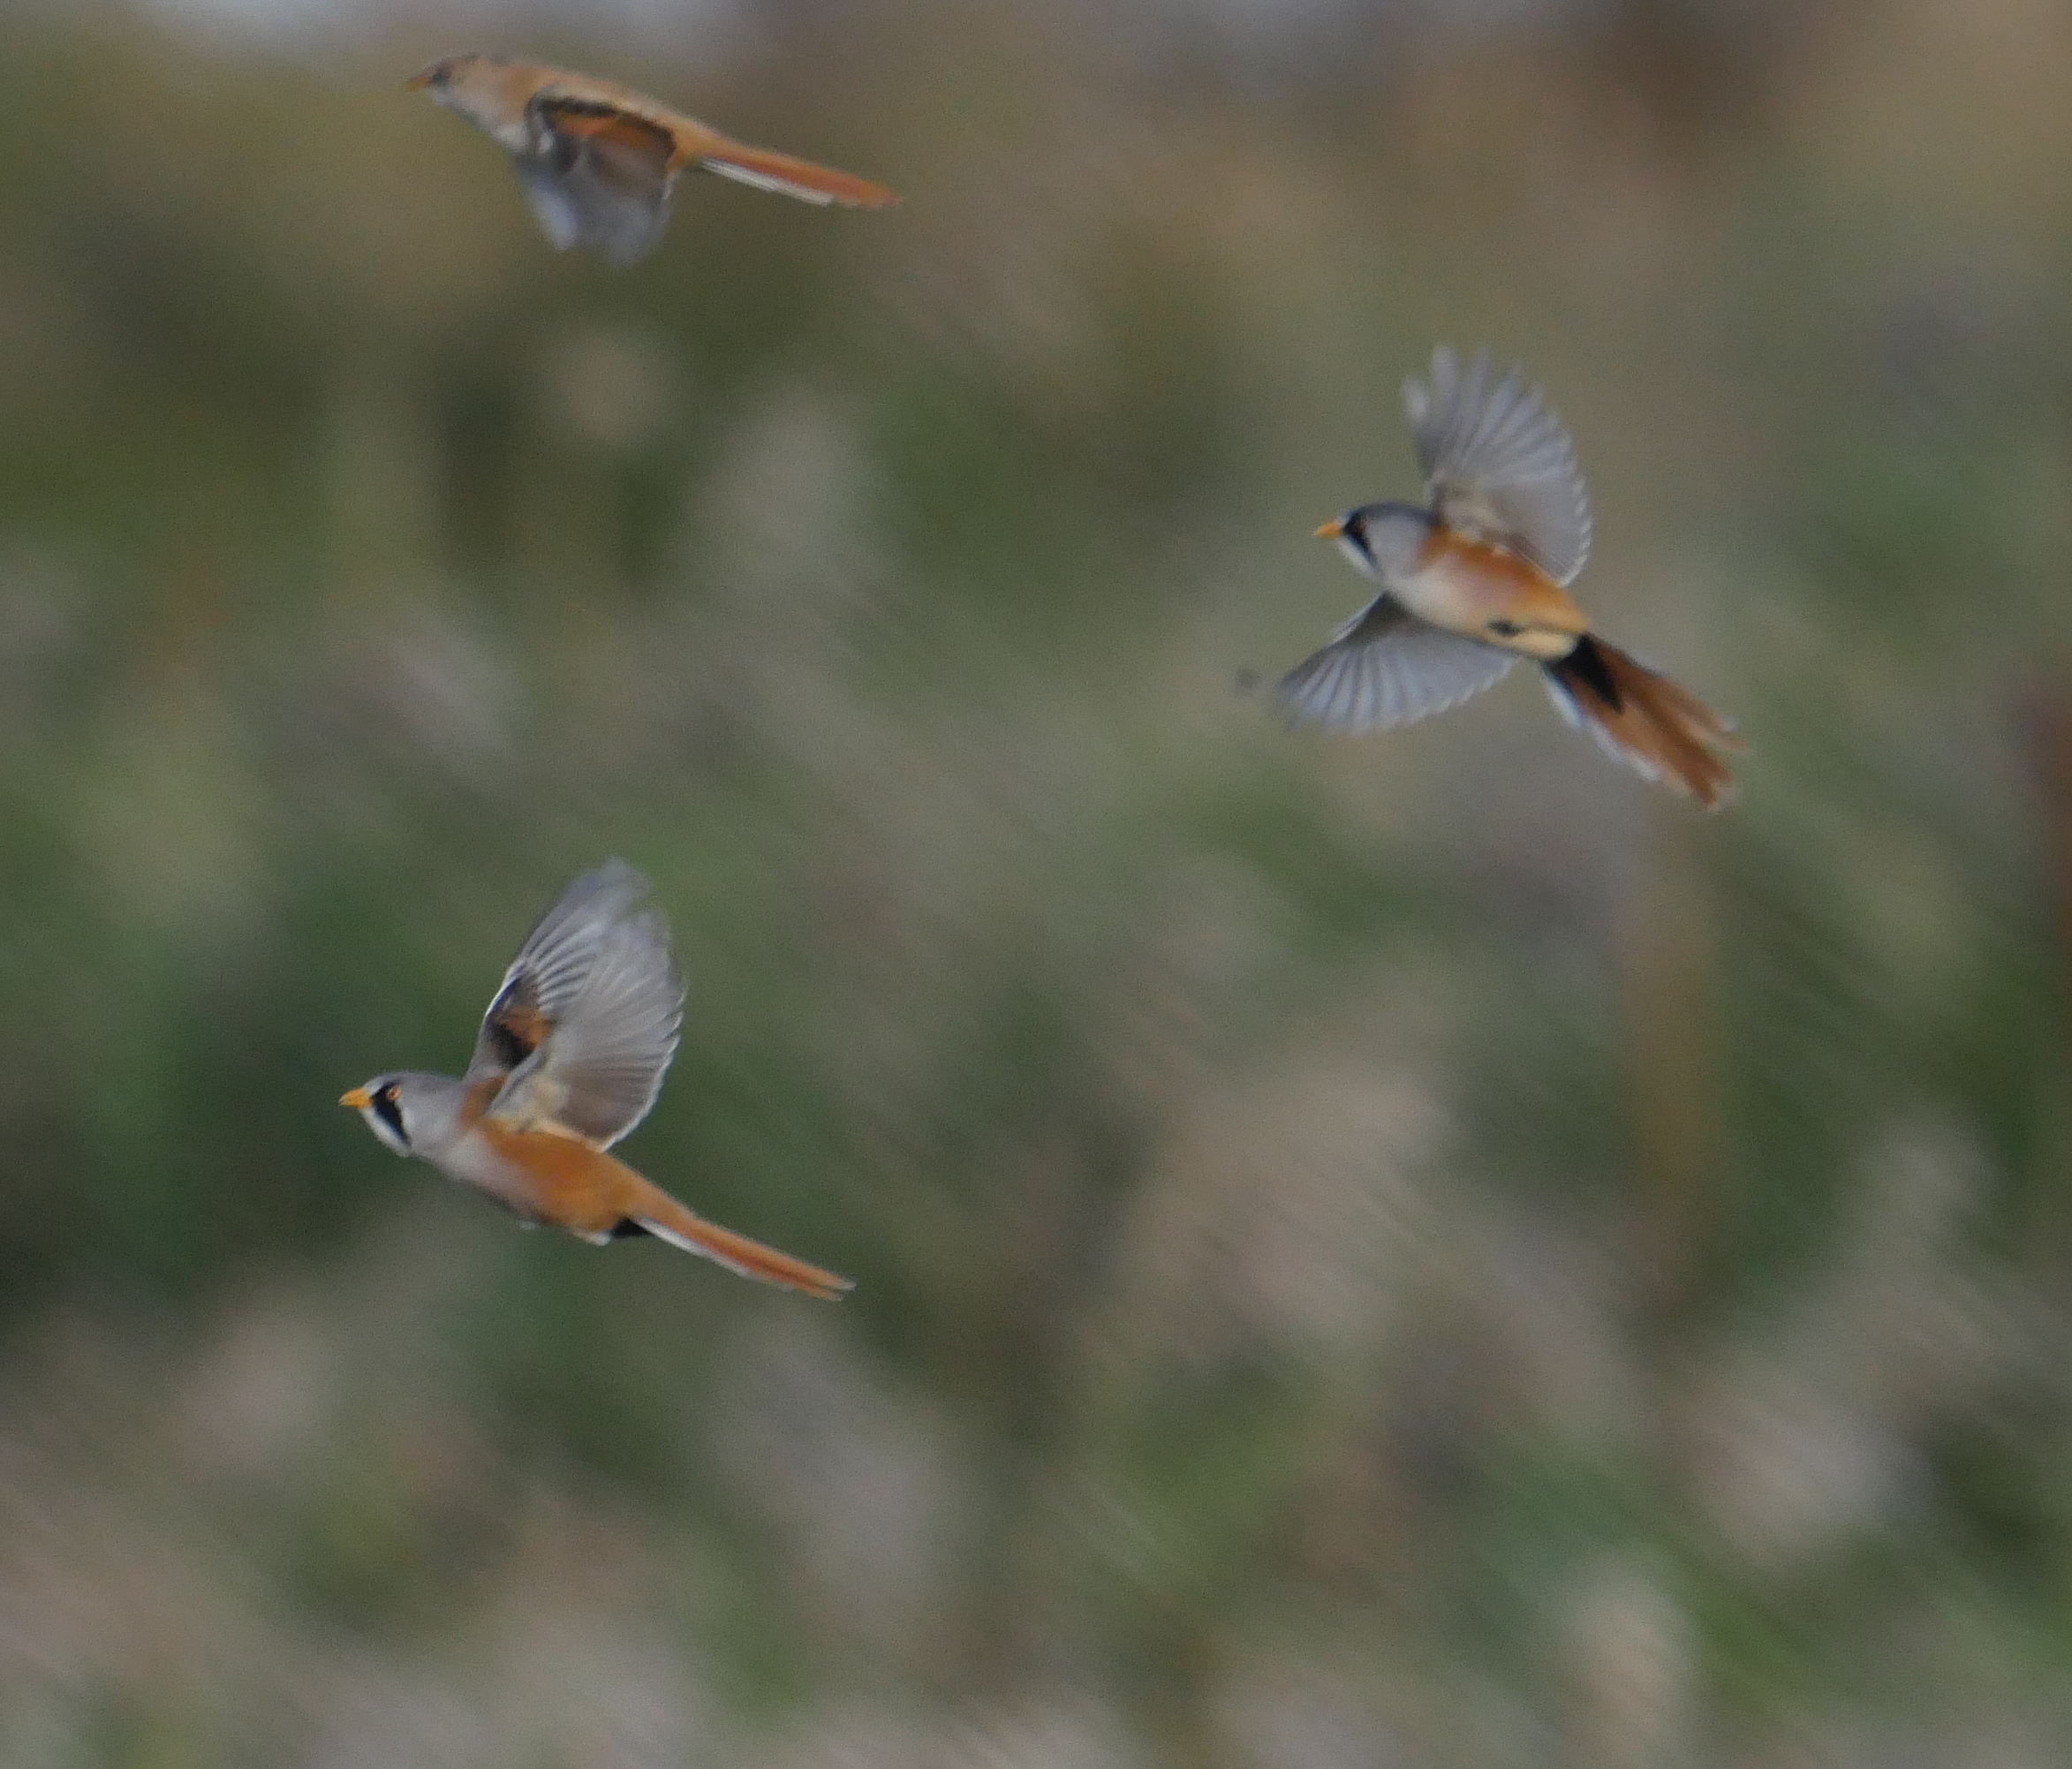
(598, 159)
(570, 1058)
(1478, 579)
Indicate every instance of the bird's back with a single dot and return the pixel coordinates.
(693, 139)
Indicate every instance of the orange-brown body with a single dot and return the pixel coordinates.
(549, 1177)
(1462, 584)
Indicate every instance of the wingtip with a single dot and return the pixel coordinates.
(614, 878)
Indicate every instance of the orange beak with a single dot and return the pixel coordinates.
(418, 82)
(1330, 531)
(358, 1099)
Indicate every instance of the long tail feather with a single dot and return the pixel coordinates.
(1645, 720)
(669, 1220)
(791, 178)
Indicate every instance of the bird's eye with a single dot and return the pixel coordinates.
(1506, 629)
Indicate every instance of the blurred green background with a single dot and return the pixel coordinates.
(1411, 1252)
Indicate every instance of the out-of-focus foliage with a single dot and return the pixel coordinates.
(1409, 1252)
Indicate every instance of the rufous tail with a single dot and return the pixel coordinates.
(791, 178)
(669, 1220)
(1645, 720)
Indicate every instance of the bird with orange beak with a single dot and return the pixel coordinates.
(1477, 579)
(598, 161)
(570, 1058)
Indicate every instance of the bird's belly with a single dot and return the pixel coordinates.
(1460, 590)
(549, 1177)
(474, 1163)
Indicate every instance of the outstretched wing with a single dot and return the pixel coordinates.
(596, 175)
(584, 1027)
(1498, 463)
(1385, 666)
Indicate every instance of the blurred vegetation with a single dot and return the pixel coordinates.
(1409, 1251)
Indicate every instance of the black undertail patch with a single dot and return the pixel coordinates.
(1586, 664)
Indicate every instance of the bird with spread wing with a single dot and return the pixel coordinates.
(571, 1057)
(598, 161)
(1478, 579)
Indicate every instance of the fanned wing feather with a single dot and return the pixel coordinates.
(601, 1068)
(587, 1021)
(557, 209)
(553, 966)
(597, 176)
(1498, 465)
(1385, 668)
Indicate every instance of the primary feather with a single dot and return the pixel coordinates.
(1498, 465)
(587, 1021)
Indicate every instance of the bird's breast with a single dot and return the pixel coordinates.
(472, 1160)
(1464, 585)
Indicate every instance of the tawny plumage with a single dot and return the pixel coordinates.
(1478, 579)
(571, 1055)
(598, 161)
(1643, 718)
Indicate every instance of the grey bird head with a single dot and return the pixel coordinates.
(473, 85)
(413, 1113)
(1382, 539)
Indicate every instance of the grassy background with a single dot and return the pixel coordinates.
(1414, 1251)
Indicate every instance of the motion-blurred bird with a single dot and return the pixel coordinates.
(1479, 579)
(571, 1057)
(598, 161)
